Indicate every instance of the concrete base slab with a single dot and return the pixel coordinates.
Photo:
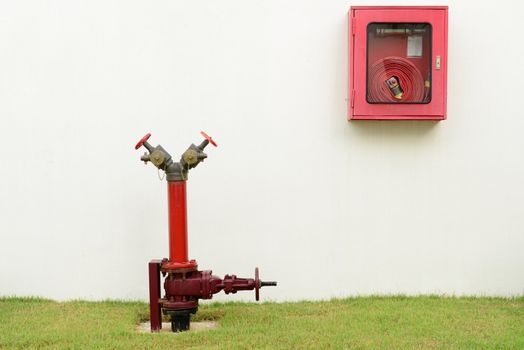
(145, 327)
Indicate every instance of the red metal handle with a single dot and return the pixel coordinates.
(207, 137)
(142, 140)
(257, 285)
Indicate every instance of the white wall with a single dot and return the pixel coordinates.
(326, 207)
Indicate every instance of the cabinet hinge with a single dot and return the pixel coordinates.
(353, 25)
(352, 98)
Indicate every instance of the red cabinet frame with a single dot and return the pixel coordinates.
(359, 19)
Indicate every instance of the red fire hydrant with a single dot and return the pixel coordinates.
(184, 285)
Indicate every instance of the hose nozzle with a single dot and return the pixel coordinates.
(395, 88)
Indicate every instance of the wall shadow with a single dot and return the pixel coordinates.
(408, 129)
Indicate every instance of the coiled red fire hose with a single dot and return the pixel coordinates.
(408, 76)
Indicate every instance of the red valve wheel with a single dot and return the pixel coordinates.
(257, 284)
(207, 137)
(144, 139)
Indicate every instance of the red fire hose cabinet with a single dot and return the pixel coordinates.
(398, 62)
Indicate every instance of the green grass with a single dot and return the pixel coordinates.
(397, 322)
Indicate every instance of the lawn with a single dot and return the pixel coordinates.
(396, 322)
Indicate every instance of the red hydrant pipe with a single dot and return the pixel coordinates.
(177, 212)
(176, 196)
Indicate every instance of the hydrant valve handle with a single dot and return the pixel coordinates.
(207, 137)
(257, 284)
(144, 139)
